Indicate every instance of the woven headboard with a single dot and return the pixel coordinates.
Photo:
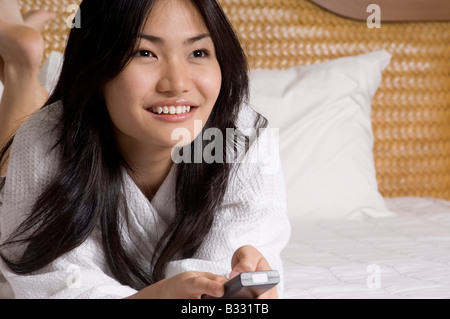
(411, 110)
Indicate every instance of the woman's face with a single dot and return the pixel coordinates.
(173, 80)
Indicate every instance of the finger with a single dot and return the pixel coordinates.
(263, 264)
(244, 265)
(208, 284)
(249, 266)
(247, 259)
(212, 276)
(244, 252)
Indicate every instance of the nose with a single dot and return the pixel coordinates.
(174, 78)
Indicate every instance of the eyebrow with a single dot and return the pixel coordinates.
(189, 41)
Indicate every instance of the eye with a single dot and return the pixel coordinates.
(199, 54)
(145, 54)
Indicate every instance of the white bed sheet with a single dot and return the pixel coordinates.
(406, 256)
(340, 259)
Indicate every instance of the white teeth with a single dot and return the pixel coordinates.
(171, 109)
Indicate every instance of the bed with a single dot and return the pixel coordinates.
(362, 114)
(405, 256)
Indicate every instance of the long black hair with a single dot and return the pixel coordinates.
(87, 191)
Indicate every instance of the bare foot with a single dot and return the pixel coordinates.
(21, 44)
(10, 12)
(21, 53)
(38, 19)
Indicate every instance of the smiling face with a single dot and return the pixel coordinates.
(173, 80)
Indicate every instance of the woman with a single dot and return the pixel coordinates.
(94, 205)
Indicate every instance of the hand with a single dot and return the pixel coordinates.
(248, 259)
(187, 285)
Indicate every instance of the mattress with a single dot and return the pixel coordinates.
(406, 256)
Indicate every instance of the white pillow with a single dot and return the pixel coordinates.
(50, 71)
(326, 140)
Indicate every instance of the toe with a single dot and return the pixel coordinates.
(38, 19)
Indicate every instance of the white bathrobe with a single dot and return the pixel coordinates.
(253, 213)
